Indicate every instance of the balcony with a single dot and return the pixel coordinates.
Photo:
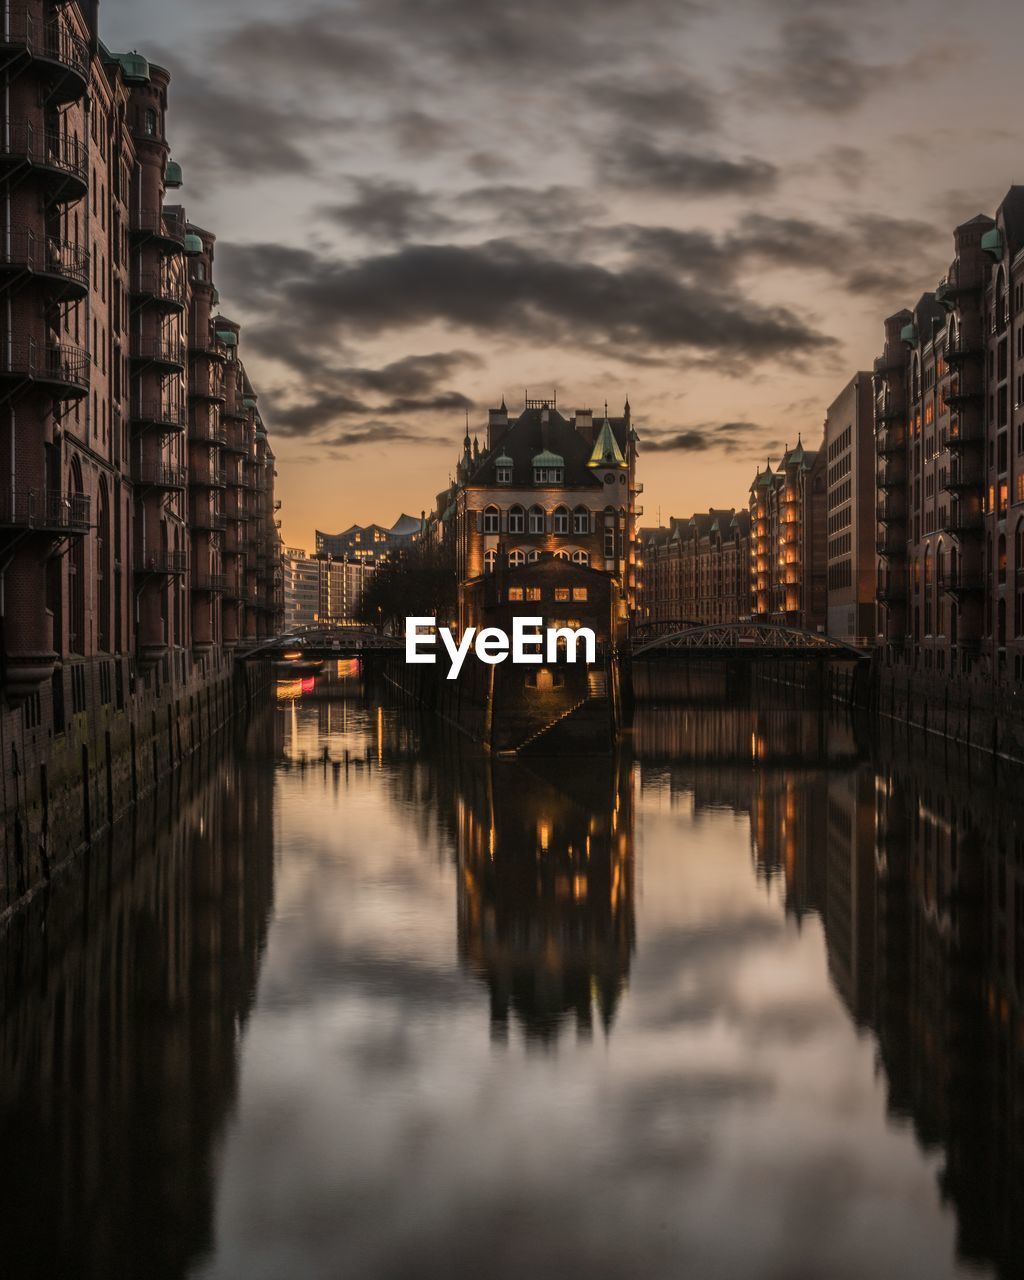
(960, 397)
(889, 512)
(892, 544)
(956, 351)
(960, 481)
(167, 353)
(44, 511)
(155, 413)
(60, 54)
(206, 476)
(956, 582)
(158, 474)
(892, 475)
(160, 291)
(167, 564)
(892, 363)
(890, 441)
(210, 583)
(963, 523)
(162, 227)
(965, 433)
(892, 590)
(56, 367)
(207, 433)
(885, 414)
(206, 521)
(62, 266)
(62, 162)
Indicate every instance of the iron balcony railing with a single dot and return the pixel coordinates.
(57, 363)
(958, 582)
(23, 248)
(159, 350)
(889, 512)
(214, 582)
(204, 519)
(161, 224)
(959, 523)
(890, 440)
(50, 39)
(159, 287)
(46, 148)
(957, 349)
(891, 543)
(169, 416)
(207, 432)
(158, 475)
(165, 563)
(45, 510)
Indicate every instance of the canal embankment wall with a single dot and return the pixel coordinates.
(72, 771)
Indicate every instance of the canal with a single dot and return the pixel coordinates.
(742, 1002)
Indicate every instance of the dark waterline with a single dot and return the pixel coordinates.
(742, 1002)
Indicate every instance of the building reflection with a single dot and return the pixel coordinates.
(546, 885)
(126, 992)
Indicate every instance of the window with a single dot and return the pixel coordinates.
(516, 558)
(548, 475)
(515, 593)
(581, 557)
(504, 475)
(579, 593)
(516, 520)
(492, 521)
(532, 557)
(561, 555)
(150, 123)
(561, 519)
(536, 520)
(533, 593)
(490, 560)
(581, 520)
(561, 593)
(609, 542)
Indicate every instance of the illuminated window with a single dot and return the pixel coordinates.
(561, 593)
(533, 593)
(579, 593)
(515, 593)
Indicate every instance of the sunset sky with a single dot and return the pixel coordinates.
(422, 205)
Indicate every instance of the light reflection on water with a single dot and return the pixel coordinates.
(737, 1003)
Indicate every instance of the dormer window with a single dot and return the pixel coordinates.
(548, 475)
(504, 475)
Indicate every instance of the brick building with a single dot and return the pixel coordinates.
(136, 483)
(698, 569)
(545, 482)
(850, 512)
(949, 417)
(788, 541)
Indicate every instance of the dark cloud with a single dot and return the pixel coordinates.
(728, 437)
(679, 103)
(502, 288)
(638, 161)
(390, 211)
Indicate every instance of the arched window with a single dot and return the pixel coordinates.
(561, 555)
(516, 558)
(561, 519)
(536, 520)
(490, 560)
(532, 556)
(150, 123)
(492, 520)
(581, 520)
(516, 520)
(581, 557)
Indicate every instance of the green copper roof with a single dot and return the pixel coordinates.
(503, 460)
(248, 403)
(172, 174)
(548, 459)
(909, 333)
(193, 245)
(763, 478)
(992, 244)
(606, 449)
(228, 337)
(134, 67)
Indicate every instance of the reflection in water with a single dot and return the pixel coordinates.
(259, 1039)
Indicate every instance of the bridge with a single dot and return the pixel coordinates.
(327, 642)
(751, 640)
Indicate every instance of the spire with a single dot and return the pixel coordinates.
(467, 443)
(504, 407)
(606, 451)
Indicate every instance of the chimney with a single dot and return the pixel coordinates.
(497, 425)
(585, 425)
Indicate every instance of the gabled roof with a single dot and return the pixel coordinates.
(539, 431)
(606, 452)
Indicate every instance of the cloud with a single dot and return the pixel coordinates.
(729, 437)
(637, 161)
(389, 211)
(679, 103)
(503, 288)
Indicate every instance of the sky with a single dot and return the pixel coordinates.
(422, 206)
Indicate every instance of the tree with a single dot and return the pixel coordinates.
(417, 581)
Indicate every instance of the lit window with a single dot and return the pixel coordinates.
(561, 593)
(579, 593)
(533, 593)
(515, 593)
